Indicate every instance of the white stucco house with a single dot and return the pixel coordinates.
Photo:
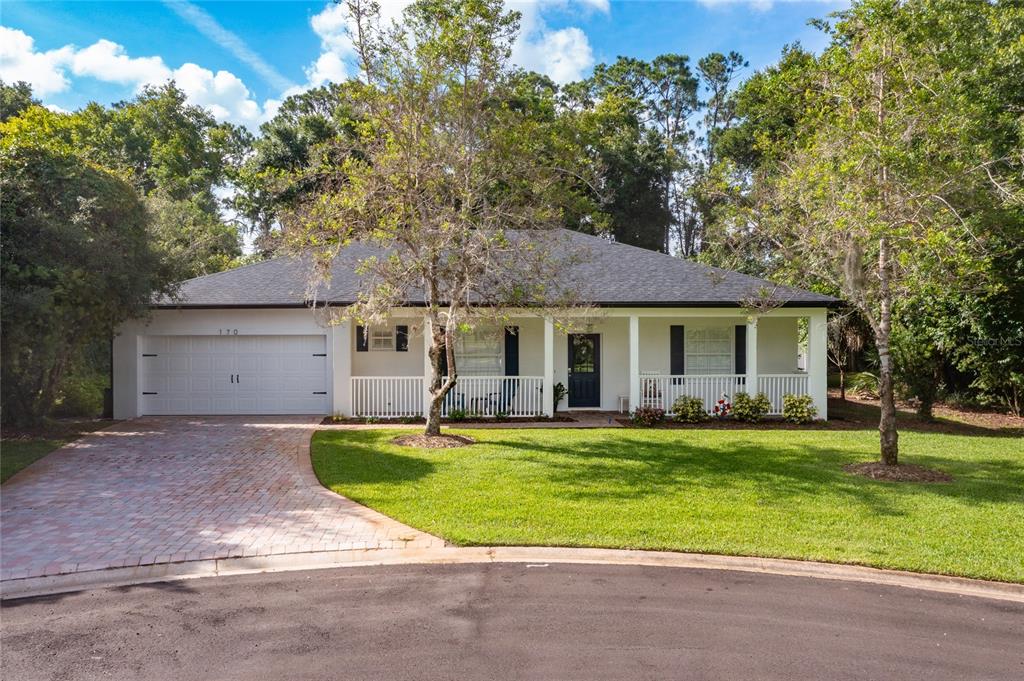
(245, 341)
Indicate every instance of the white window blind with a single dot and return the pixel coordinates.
(709, 350)
(479, 353)
(382, 340)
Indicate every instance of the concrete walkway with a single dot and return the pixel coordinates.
(167, 490)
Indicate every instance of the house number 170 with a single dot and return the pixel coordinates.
(228, 332)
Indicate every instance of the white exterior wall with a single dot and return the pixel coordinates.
(390, 362)
(614, 359)
(776, 348)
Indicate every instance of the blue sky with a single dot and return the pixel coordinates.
(241, 58)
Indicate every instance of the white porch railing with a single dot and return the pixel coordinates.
(387, 396)
(661, 392)
(777, 385)
(493, 395)
(401, 396)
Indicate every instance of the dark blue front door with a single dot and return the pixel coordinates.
(584, 370)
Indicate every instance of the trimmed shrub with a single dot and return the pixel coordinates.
(689, 410)
(750, 409)
(798, 408)
(457, 415)
(647, 416)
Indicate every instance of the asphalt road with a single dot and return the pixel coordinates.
(511, 621)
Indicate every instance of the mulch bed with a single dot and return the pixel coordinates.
(332, 421)
(57, 429)
(876, 470)
(733, 424)
(433, 441)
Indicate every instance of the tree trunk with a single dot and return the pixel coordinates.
(842, 383)
(887, 422)
(441, 342)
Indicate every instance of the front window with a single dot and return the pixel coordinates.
(478, 353)
(709, 350)
(382, 340)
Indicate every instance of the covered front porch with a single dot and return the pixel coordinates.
(614, 362)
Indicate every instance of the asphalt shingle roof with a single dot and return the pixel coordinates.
(610, 274)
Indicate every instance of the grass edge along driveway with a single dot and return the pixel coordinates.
(779, 494)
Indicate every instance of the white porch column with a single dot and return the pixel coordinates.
(428, 370)
(341, 368)
(817, 360)
(752, 387)
(634, 362)
(548, 388)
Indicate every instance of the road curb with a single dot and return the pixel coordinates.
(170, 572)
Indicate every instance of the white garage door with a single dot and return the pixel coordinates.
(234, 375)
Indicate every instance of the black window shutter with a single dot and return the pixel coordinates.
(362, 345)
(511, 350)
(402, 338)
(741, 348)
(677, 351)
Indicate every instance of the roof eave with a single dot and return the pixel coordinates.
(610, 304)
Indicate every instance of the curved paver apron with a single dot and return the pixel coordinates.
(170, 489)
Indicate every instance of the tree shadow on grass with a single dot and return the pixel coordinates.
(629, 467)
(360, 457)
(854, 415)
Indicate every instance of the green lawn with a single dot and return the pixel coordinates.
(22, 449)
(779, 493)
(16, 454)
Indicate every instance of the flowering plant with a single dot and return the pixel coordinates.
(722, 407)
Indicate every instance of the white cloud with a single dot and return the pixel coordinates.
(107, 61)
(222, 92)
(20, 61)
(329, 67)
(332, 25)
(563, 54)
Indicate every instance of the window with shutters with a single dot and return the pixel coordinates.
(382, 339)
(479, 353)
(709, 350)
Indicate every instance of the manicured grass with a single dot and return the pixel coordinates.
(743, 492)
(18, 450)
(17, 454)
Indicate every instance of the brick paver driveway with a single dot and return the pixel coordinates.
(160, 490)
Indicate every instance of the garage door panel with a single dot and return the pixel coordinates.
(234, 375)
(225, 364)
(154, 344)
(198, 363)
(249, 363)
(196, 383)
(154, 383)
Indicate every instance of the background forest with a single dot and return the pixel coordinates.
(886, 170)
